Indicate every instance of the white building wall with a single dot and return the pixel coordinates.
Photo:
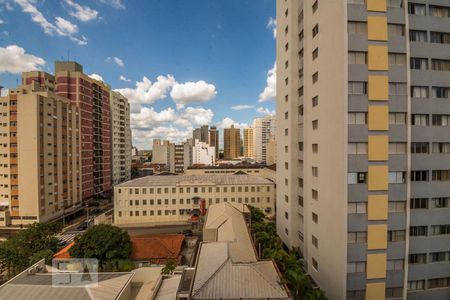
(202, 153)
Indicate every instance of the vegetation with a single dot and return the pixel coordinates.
(28, 246)
(289, 262)
(109, 244)
(169, 268)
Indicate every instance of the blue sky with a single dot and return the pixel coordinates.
(200, 58)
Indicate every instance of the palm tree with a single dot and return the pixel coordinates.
(298, 282)
(169, 268)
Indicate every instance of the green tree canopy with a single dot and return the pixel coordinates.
(169, 268)
(103, 242)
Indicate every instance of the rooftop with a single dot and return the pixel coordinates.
(220, 179)
(157, 248)
(227, 166)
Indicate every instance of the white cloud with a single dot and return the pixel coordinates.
(82, 13)
(2, 22)
(123, 78)
(96, 77)
(114, 3)
(116, 60)
(62, 27)
(188, 92)
(227, 122)
(270, 91)
(175, 125)
(265, 111)
(272, 24)
(13, 59)
(147, 92)
(242, 107)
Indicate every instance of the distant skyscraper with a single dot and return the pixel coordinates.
(231, 142)
(121, 138)
(201, 134)
(248, 143)
(263, 128)
(41, 174)
(363, 138)
(214, 140)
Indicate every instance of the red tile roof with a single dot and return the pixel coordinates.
(64, 252)
(157, 249)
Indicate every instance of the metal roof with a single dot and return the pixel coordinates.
(218, 179)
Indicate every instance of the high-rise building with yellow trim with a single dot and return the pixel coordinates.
(363, 144)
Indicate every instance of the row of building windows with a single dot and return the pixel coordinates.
(361, 266)
(415, 285)
(400, 176)
(195, 201)
(232, 189)
(400, 118)
(400, 148)
(432, 257)
(419, 9)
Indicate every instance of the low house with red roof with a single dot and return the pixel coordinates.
(153, 249)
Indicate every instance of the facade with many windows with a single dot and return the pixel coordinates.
(363, 165)
(178, 199)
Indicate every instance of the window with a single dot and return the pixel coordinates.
(315, 194)
(315, 53)
(419, 91)
(357, 58)
(356, 177)
(315, 124)
(440, 256)
(419, 175)
(440, 37)
(440, 120)
(315, 264)
(440, 229)
(358, 237)
(397, 148)
(286, 30)
(417, 63)
(397, 118)
(358, 294)
(440, 92)
(396, 30)
(441, 202)
(286, 215)
(419, 203)
(394, 292)
(315, 218)
(357, 88)
(396, 235)
(418, 231)
(397, 177)
(357, 28)
(315, 148)
(315, 171)
(315, 30)
(357, 208)
(441, 147)
(397, 89)
(356, 267)
(315, 101)
(315, 6)
(439, 11)
(315, 241)
(315, 77)
(397, 59)
(438, 282)
(395, 264)
(420, 120)
(416, 9)
(286, 131)
(357, 148)
(440, 64)
(418, 148)
(420, 258)
(286, 47)
(395, 3)
(357, 118)
(418, 36)
(415, 285)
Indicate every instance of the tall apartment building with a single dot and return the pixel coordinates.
(201, 134)
(271, 151)
(248, 147)
(92, 98)
(214, 139)
(363, 145)
(231, 142)
(120, 138)
(39, 154)
(160, 152)
(263, 128)
(176, 158)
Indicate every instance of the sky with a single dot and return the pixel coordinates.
(181, 63)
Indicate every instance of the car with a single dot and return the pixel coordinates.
(187, 232)
(82, 226)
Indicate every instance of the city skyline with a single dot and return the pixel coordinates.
(170, 91)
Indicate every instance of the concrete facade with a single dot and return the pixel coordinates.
(203, 154)
(247, 143)
(263, 128)
(231, 142)
(363, 163)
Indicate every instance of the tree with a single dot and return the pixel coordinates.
(256, 215)
(103, 242)
(28, 246)
(298, 282)
(169, 268)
